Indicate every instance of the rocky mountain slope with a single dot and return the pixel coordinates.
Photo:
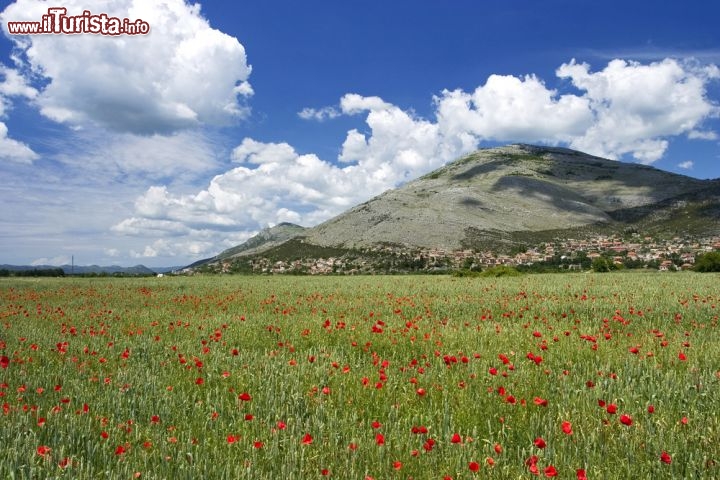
(498, 192)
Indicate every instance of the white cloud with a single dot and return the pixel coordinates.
(55, 261)
(688, 165)
(320, 114)
(509, 108)
(14, 151)
(353, 103)
(166, 249)
(637, 106)
(183, 74)
(12, 84)
(180, 156)
(702, 135)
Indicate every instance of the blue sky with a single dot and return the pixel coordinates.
(165, 148)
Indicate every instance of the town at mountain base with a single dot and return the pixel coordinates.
(536, 208)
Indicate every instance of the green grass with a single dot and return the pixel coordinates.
(330, 356)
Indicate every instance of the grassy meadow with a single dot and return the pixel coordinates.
(597, 376)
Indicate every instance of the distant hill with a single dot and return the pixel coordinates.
(517, 194)
(265, 240)
(89, 269)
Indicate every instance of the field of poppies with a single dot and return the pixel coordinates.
(596, 376)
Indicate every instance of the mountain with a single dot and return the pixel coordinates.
(265, 239)
(499, 197)
(515, 192)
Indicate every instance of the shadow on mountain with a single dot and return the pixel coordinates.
(559, 197)
(479, 170)
(471, 202)
(699, 206)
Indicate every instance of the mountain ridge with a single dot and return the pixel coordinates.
(507, 189)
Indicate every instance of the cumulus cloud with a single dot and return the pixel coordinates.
(508, 107)
(637, 106)
(625, 109)
(183, 74)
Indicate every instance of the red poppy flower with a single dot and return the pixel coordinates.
(376, 424)
(550, 471)
(43, 450)
(397, 465)
(651, 409)
(541, 402)
(4, 361)
(498, 448)
(456, 438)
(429, 444)
(474, 466)
(420, 391)
(307, 439)
(540, 443)
(567, 428)
(665, 457)
(612, 408)
(581, 474)
(380, 439)
(626, 420)
(245, 397)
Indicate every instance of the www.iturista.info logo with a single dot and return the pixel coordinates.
(57, 21)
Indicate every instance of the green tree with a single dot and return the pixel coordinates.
(601, 264)
(709, 262)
